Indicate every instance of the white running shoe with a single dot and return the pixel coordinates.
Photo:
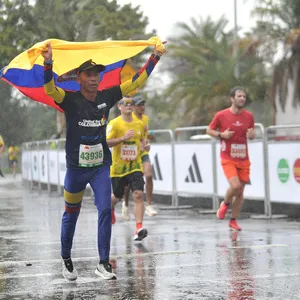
(68, 270)
(140, 234)
(125, 212)
(105, 271)
(150, 211)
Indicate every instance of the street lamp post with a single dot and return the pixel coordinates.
(235, 46)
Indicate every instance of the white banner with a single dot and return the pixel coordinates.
(62, 166)
(256, 188)
(284, 172)
(194, 168)
(34, 165)
(43, 166)
(26, 167)
(161, 161)
(53, 166)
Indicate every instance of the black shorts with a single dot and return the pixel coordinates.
(134, 180)
(13, 161)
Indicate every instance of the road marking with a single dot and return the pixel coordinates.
(259, 246)
(133, 255)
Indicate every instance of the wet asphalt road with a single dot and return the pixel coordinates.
(185, 256)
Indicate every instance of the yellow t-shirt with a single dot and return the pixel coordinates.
(13, 152)
(1, 141)
(145, 120)
(126, 156)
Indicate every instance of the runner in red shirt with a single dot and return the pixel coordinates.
(233, 126)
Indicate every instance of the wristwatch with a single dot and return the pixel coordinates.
(155, 56)
(48, 63)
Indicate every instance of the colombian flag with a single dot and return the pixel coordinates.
(26, 71)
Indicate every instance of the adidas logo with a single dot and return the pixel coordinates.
(194, 171)
(156, 173)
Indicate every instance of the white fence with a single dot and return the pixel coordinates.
(192, 168)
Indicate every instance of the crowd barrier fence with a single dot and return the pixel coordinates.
(189, 165)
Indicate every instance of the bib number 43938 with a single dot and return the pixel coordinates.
(90, 155)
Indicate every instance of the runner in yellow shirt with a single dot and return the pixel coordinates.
(2, 148)
(127, 139)
(139, 114)
(13, 152)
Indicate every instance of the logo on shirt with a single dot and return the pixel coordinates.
(103, 121)
(100, 106)
(237, 123)
(90, 123)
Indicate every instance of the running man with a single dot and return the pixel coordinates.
(139, 114)
(13, 152)
(88, 157)
(233, 126)
(127, 138)
(2, 149)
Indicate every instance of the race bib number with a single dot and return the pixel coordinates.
(238, 151)
(90, 155)
(129, 152)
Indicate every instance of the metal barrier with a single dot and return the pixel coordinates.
(34, 162)
(178, 154)
(268, 206)
(200, 139)
(170, 134)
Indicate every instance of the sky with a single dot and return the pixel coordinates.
(163, 15)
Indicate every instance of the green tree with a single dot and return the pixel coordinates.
(23, 23)
(202, 70)
(279, 31)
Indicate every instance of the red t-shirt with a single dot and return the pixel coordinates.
(235, 148)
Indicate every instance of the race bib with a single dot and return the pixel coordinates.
(129, 152)
(238, 151)
(90, 155)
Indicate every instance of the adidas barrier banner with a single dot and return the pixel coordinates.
(194, 173)
(284, 172)
(162, 169)
(256, 188)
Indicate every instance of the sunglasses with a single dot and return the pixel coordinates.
(127, 102)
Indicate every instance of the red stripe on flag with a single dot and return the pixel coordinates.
(36, 94)
(110, 79)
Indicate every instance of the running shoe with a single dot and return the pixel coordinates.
(150, 211)
(140, 234)
(125, 213)
(234, 225)
(105, 271)
(68, 270)
(221, 213)
(113, 216)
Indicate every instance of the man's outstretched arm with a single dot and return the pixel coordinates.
(51, 90)
(139, 78)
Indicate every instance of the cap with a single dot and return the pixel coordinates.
(90, 64)
(138, 99)
(72, 74)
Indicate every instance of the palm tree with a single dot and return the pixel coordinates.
(203, 70)
(279, 24)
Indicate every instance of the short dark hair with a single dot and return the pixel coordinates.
(235, 89)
